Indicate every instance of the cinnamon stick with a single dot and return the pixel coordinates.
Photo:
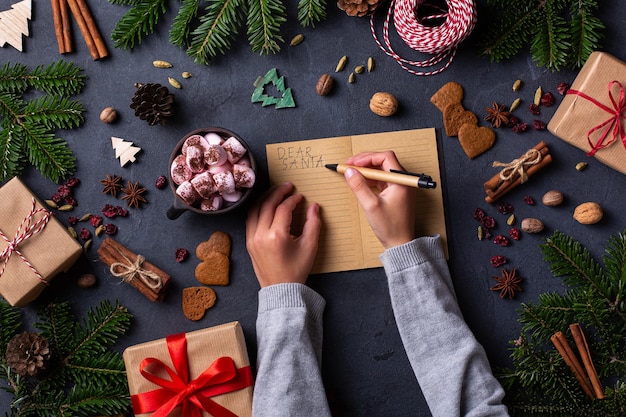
(112, 252)
(560, 342)
(66, 27)
(87, 26)
(496, 182)
(61, 25)
(583, 350)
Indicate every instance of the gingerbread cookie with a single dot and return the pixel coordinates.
(215, 256)
(450, 93)
(196, 301)
(475, 140)
(455, 116)
(218, 242)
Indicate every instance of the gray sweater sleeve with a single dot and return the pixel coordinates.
(289, 339)
(449, 363)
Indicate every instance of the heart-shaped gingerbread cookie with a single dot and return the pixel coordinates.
(475, 140)
(218, 242)
(449, 93)
(455, 116)
(196, 301)
(215, 256)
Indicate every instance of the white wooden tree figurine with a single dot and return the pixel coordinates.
(14, 24)
(124, 150)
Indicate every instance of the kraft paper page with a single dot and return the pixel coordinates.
(347, 241)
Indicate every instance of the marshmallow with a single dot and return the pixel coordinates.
(211, 204)
(195, 158)
(244, 176)
(187, 193)
(225, 182)
(234, 149)
(232, 197)
(213, 138)
(216, 169)
(194, 140)
(215, 155)
(203, 184)
(179, 171)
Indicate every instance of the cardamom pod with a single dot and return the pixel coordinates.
(481, 233)
(161, 64)
(341, 64)
(359, 69)
(174, 83)
(580, 166)
(517, 84)
(72, 232)
(51, 204)
(297, 39)
(370, 64)
(87, 244)
(351, 78)
(85, 217)
(515, 104)
(186, 74)
(66, 207)
(538, 94)
(99, 230)
(511, 220)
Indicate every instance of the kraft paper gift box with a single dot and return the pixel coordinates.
(198, 354)
(592, 114)
(34, 246)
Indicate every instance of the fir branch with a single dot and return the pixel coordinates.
(586, 31)
(550, 46)
(180, 29)
(311, 11)
(10, 322)
(140, 20)
(55, 112)
(49, 154)
(264, 20)
(59, 78)
(13, 78)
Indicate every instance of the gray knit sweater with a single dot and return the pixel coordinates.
(449, 364)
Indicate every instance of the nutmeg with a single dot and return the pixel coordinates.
(552, 198)
(588, 213)
(108, 115)
(324, 85)
(383, 104)
(531, 225)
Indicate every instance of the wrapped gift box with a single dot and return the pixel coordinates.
(206, 350)
(41, 250)
(584, 115)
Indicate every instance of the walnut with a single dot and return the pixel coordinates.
(324, 85)
(383, 104)
(552, 198)
(588, 213)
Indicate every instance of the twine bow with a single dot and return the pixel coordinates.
(194, 395)
(129, 271)
(517, 166)
(24, 231)
(613, 123)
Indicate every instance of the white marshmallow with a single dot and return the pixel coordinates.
(232, 197)
(195, 158)
(211, 204)
(187, 193)
(215, 155)
(244, 176)
(179, 171)
(194, 140)
(213, 138)
(225, 182)
(234, 148)
(203, 184)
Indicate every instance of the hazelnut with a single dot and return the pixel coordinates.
(324, 85)
(383, 104)
(552, 198)
(530, 225)
(108, 115)
(588, 213)
(86, 280)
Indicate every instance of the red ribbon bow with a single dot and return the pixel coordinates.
(613, 123)
(25, 230)
(194, 395)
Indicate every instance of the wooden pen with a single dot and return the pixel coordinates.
(406, 178)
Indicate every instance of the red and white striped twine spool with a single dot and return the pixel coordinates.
(441, 41)
(25, 230)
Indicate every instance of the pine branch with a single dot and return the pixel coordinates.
(55, 112)
(138, 21)
(49, 154)
(311, 11)
(180, 29)
(10, 322)
(264, 20)
(13, 78)
(550, 46)
(586, 31)
(59, 78)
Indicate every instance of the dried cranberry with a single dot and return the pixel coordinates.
(109, 228)
(520, 128)
(121, 211)
(562, 88)
(479, 214)
(72, 220)
(501, 240)
(57, 198)
(547, 99)
(497, 261)
(72, 182)
(534, 109)
(488, 222)
(95, 221)
(181, 254)
(161, 182)
(515, 233)
(504, 207)
(529, 200)
(109, 211)
(64, 191)
(513, 120)
(84, 234)
(71, 201)
(539, 125)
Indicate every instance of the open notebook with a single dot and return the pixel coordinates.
(347, 241)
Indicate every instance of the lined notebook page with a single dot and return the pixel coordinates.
(347, 241)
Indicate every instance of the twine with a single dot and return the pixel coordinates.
(128, 272)
(516, 166)
(441, 41)
(29, 229)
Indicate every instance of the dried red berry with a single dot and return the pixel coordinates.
(520, 128)
(64, 191)
(71, 201)
(515, 233)
(95, 221)
(497, 261)
(479, 214)
(547, 99)
(161, 182)
(562, 88)
(109, 228)
(121, 211)
(501, 240)
(539, 125)
(504, 207)
(488, 222)
(181, 254)
(72, 220)
(529, 200)
(72, 182)
(513, 120)
(57, 198)
(84, 234)
(534, 109)
(109, 211)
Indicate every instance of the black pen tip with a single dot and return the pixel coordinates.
(331, 166)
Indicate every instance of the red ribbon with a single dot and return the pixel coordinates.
(613, 123)
(219, 378)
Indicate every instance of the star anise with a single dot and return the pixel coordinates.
(497, 115)
(134, 194)
(111, 184)
(508, 283)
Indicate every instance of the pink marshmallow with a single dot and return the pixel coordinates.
(232, 197)
(179, 171)
(244, 176)
(195, 158)
(211, 204)
(203, 184)
(194, 140)
(213, 138)
(215, 155)
(225, 182)
(234, 149)
(187, 193)
(216, 169)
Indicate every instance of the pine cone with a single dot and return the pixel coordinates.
(358, 7)
(153, 103)
(28, 353)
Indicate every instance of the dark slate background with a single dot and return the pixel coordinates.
(365, 368)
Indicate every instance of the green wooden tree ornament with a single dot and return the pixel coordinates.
(259, 95)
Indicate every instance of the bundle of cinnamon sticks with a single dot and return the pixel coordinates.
(516, 172)
(148, 279)
(86, 24)
(588, 380)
